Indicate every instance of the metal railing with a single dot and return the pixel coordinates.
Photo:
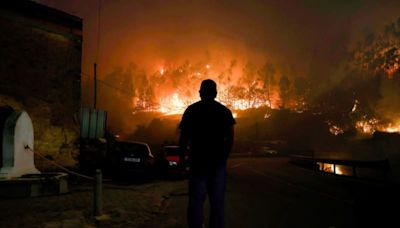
(369, 169)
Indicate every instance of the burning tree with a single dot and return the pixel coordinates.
(377, 60)
(284, 89)
(267, 75)
(302, 91)
(379, 54)
(366, 99)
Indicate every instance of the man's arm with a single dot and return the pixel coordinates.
(183, 138)
(229, 140)
(183, 144)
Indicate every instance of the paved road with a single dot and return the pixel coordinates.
(271, 192)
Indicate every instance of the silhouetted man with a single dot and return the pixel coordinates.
(207, 130)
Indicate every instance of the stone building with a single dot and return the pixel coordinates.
(40, 72)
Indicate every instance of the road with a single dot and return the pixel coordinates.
(271, 192)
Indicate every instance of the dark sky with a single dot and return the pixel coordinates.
(303, 38)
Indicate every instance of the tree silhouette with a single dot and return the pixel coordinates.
(267, 75)
(379, 54)
(284, 88)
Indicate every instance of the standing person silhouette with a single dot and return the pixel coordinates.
(206, 129)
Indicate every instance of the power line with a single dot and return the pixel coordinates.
(110, 86)
(86, 74)
(97, 53)
(116, 88)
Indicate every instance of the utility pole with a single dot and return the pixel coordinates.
(95, 85)
(97, 54)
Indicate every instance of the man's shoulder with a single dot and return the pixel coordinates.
(226, 113)
(200, 105)
(193, 106)
(222, 107)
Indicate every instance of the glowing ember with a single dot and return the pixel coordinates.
(367, 126)
(335, 130)
(355, 106)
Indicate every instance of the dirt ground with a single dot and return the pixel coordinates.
(124, 205)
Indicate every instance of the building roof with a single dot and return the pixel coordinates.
(33, 10)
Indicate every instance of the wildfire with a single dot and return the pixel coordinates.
(367, 126)
(390, 71)
(171, 89)
(372, 125)
(184, 81)
(391, 128)
(172, 105)
(175, 104)
(242, 104)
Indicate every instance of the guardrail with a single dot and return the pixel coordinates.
(370, 169)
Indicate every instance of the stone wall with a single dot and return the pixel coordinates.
(40, 65)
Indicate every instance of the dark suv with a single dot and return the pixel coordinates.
(132, 158)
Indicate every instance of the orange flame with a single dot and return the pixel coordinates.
(172, 105)
(330, 168)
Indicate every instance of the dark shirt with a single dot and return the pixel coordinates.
(206, 124)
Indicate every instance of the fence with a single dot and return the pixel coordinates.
(93, 123)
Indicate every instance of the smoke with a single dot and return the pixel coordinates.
(307, 43)
(388, 105)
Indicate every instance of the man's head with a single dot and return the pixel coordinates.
(208, 90)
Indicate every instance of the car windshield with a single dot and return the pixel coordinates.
(132, 147)
(173, 150)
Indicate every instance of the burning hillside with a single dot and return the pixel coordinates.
(170, 89)
(173, 89)
(354, 91)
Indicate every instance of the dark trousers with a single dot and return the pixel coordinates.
(212, 183)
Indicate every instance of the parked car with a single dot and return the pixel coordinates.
(266, 150)
(132, 158)
(172, 160)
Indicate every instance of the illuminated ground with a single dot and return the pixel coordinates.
(270, 192)
(262, 192)
(126, 205)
